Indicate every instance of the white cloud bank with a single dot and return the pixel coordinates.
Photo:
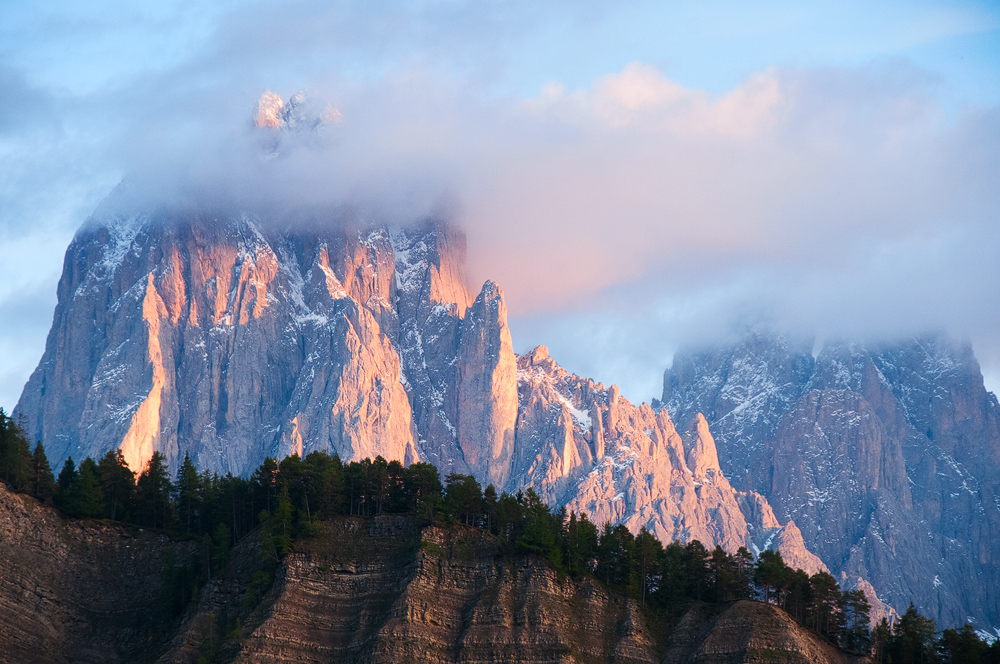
(622, 217)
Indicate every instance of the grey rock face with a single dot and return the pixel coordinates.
(743, 390)
(487, 387)
(222, 338)
(886, 458)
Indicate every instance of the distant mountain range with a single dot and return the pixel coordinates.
(230, 338)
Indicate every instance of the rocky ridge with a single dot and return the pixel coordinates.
(884, 455)
(585, 446)
(230, 342)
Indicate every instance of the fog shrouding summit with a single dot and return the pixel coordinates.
(626, 205)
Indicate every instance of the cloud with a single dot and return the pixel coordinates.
(624, 206)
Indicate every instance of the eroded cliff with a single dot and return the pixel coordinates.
(82, 591)
(379, 589)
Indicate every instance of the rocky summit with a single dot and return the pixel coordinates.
(886, 456)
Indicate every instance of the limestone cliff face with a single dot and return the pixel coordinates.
(451, 599)
(191, 334)
(431, 302)
(743, 390)
(884, 455)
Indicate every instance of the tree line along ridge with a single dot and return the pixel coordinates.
(284, 501)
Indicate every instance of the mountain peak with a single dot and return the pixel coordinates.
(699, 446)
(299, 112)
(269, 108)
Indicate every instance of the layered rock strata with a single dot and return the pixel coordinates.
(381, 591)
(81, 591)
(749, 632)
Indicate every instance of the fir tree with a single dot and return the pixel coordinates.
(152, 494)
(15, 455)
(117, 483)
(43, 482)
(68, 497)
(91, 503)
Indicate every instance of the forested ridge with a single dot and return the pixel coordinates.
(286, 500)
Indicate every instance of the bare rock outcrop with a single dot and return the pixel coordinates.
(231, 338)
(190, 334)
(487, 388)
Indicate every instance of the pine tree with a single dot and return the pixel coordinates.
(282, 524)
(43, 482)
(857, 636)
(91, 497)
(964, 646)
(913, 639)
(266, 478)
(15, 455)
(463, 498)
(117, 483)
(423, 487)
(189, 497)
(824, 609)
(743, 574)
(332, 493)
(152, 494)
(68, 498)
(771, 574)
(696, 565)
(880, 641)
(647, 552)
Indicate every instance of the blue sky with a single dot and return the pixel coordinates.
(637, 176)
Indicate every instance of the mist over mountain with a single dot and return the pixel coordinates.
(230, 337)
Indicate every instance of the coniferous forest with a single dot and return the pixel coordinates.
(283, 501)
